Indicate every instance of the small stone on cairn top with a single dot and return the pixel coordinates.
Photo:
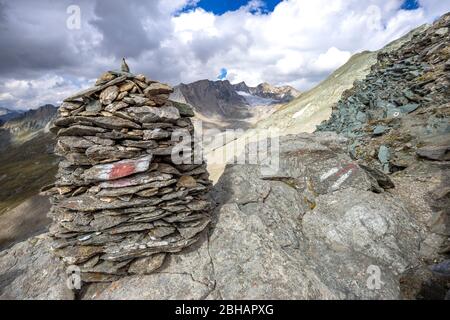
(124, 67)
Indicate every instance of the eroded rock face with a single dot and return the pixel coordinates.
(304, 233)
(120, 203)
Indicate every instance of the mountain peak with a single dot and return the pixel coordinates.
(32, 120)
(211, 98)
(222, 99)
(265, 90)
(241, 86)
(264, 85)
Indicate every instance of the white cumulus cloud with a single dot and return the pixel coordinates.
(299, 43)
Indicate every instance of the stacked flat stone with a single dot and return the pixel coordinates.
(120, 204)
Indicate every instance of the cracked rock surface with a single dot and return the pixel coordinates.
(304, 233)
(31, 271)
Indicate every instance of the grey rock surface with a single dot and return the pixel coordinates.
(302, 233)
(295, 235)
(31, 271)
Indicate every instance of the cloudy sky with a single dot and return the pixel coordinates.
(51, 48)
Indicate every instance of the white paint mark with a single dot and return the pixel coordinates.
(341, 180)
(328, 174)
(85, 237)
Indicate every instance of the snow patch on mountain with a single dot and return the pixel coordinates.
(253, 100)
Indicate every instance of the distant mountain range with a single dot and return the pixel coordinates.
(8, 114)
(308, 110)
(31, 120)
(27, 161)
(210, 99)
(226, 101)
(18, 127)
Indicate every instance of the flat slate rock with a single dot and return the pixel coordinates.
(90, 91)
(117, 170)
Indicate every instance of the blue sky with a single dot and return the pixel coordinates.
(411, 5)
(221, 6)
(223, 74)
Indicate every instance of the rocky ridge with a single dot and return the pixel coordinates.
(406, 87)
(120, 203)
(232, 104)
(32, 120)
(398, 120)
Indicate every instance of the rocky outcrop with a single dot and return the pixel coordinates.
(398, 120)
(313, 230)
(323, 227)
(318, 229)
(401, 109)
(121, 201)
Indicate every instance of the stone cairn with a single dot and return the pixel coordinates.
(120, 204)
